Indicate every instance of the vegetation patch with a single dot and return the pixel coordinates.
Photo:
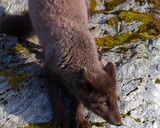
(130, 16)
(97, 124)
(151, 24)
(157, 81)
(123, 49)
(14, 78)
(93, 5)
(149, 28)
(40, 125)
(122, 39)
(50, 123)
(137, 120)
(112, 21)
(126, 115)
(20, 48)
(155, 2)
(106, 49)
(110, 4)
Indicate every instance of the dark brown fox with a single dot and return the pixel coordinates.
(71, 59)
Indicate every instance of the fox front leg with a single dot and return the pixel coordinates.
(56, 102)
(79, 118)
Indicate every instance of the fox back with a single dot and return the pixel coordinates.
(72, 60)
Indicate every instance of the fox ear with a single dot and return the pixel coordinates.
(110, 69)
(82, 73)
(85, 80)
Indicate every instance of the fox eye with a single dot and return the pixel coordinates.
(103, 104)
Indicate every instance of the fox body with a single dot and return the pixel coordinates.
(71, 60)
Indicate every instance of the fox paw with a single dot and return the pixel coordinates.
(82, 124)
(62, 124)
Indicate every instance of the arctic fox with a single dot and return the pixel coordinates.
(71, 59)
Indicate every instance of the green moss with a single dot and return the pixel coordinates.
(112, 21)
(97, 124)
(146, 57)
(126, 115)
(93, 5)
(123, 49)
(149, 28)
(150, 22)
(105, 49)
(14, 78)
(157, 81)
(137, 120)
(155, 2)
(122, 39)
(152, 32)
(130, 16)
(143, 27)
(20, 48)
(93, 10)
(113, 3)
(49, 124)
(40, 125)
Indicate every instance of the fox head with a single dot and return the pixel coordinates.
(99, 94)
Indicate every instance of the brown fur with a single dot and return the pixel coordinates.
(18, 25)
(72, 62)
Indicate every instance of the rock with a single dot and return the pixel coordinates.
(157, 15)
(131, 4)
(14, 6)
(102, 30)
(21, 101)
(100, 5)
(99, 27)
(138, 70)
(100, 18)
(23, 96)
(129, 27)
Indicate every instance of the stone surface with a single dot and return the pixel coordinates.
(99, 27)
(27, 101)
(128, 27)
(131, 4)
(14, 6)
(100, 5)
(138, 68)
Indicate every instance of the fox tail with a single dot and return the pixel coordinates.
(17, 25)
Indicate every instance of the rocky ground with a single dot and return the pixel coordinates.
(126, 32)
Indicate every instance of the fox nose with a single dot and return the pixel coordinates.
(120, 124)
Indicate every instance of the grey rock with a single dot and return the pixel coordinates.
(99, 27)
(131, 4)
(100, 5)
(138, 67)
(157, 15)
(100, 18)
(136, 75)
(102, 30)
(28, 103)
(128, 27)
(14, 6)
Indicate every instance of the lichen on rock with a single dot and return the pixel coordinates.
(123, 31)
